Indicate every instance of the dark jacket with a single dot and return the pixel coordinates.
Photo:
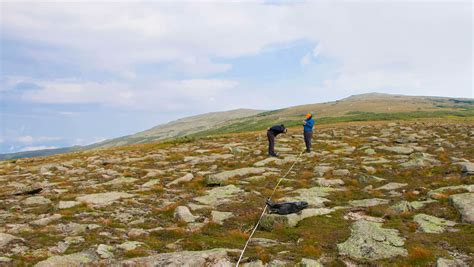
(308, 127)
(277, 129)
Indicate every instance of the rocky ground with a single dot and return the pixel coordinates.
(379, 194)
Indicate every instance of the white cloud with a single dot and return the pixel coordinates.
(428, 44)
(30, 139)
(32, 148)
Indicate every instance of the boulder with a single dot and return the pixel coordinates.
(442, 262)
(7, 238)
(182, 213)
(214, 257)
(321, 170)
(151, 183)
(75, 259)
(46, 220)
(405, 206)
(369, 241)
(432, 224)
(314, 196)
(465, 205)
(186, 178)
(219, 195)
(130, 245)
(329, 182)
(221, 178)
(396, 149)
(310, 263)
(392, 186)
(467, 168)
(36, 200)
(368, 202)
(420, 159)
(269, 221)
(105, 251)
(341, 172)
(220, 216)
(121, 180)
(103, 199)
(67, 204)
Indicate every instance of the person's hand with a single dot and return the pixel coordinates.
(304, 122)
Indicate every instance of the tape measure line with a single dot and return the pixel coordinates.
(265, 208)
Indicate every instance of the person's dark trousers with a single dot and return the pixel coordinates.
(307, 140)
(271, 143)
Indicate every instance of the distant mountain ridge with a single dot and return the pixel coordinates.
(371, 106)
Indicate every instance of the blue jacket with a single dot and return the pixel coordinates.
(308, 127)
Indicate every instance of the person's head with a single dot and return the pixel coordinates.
(309, 115)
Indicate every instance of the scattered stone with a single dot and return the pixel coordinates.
(465, 205)
(341, 172)
(186, 178)
(396, 149)
(46, 220)
(365, 179)
(322, 170)
(442, 262)
(219, 195)
(467, 168)
(309, 263)
(369, 241)
(7, 238)
(431, 224)
(420, 159)
(369, 169)
(182, 213)
(151, 183)
(368, 202)
(314, 196)
(355, 216)
(105, 251)
(265, 242)
(68, 204)
(392, 186)
(213, 257)
(5, 259)
(291, 220)
(369, 151)
(405, 206)
(220, 216)
(329, 182)
(440, 191)
(36, 200)
(130, 245)
(121, 180)
(103, 199)
(75, 259)
(220, 178)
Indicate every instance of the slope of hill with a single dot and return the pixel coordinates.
(364, 107)
(379, 194)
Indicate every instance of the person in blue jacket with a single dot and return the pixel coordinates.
(308, 125)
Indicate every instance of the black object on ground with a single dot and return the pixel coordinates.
(285, 208)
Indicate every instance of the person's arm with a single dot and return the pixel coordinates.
(310, 123)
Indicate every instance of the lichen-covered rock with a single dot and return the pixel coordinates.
(67, 204)
(467, 168)
(405, 206)
(186, 178)
(269, 221)
(220, 216)
(442, 262)
(321, 170)
(182, 213)
(465, 205)
(392, 186)
(36, 200)
(214, 257)
(396, 149)
(7, 238)
(105, 251)
(369, 241)
(103, 198)
(368, 202)
(432, 224)
(219, 195)
(314, 196)
(130, 245)
(75, 259)
(309, 263)
(222, 177)
(47, 220)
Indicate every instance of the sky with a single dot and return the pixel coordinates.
(79, 72)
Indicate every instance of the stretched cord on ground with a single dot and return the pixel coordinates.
(265, 208)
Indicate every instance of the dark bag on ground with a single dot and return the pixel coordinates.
(285, 208)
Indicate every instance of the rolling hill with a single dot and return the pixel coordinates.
(363, 107)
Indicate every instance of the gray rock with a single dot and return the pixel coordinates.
(182, 213)
(396, 149)
(364, 179)
(309, 263)
(467, 168)
(151, 183)
(121, 180)
(432, 224)
(405, 206)
(465, 205)
(329, 182)
(220, 216)
(36, 200)
(434, 193)
(67, 204)
(341, 172)
(7, 238)
(105, 251)
(368, 202)
(130, 245)
(369, 241)
(291, 220)
(75, 259)
(186, 178)
(219, 195)
(213, 257)
(419, 159)
(5, 259)
(442, 262)
(46, 220)
(221, 178)
(392, 186)
(314, 195)
(103, 199)
(257, 263)
(321, 170)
